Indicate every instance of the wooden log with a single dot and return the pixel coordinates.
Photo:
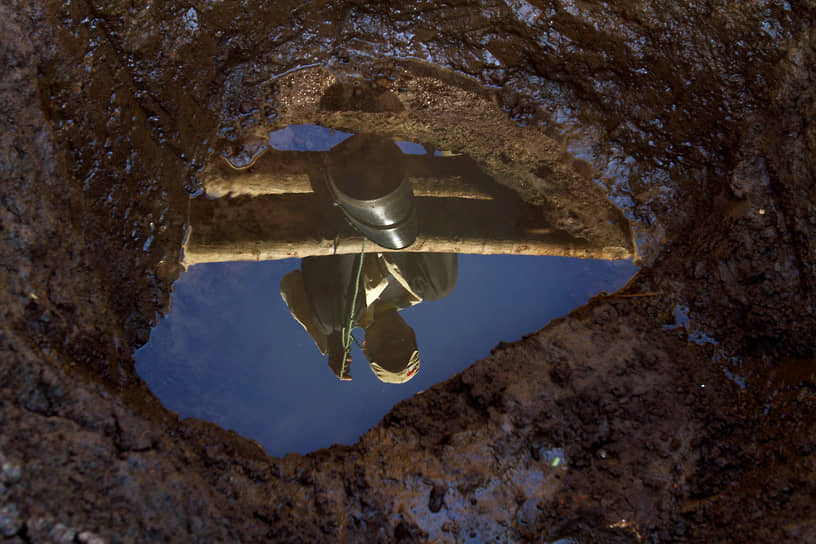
(296, 226)
(265, 250)
(272, 172)
(289, 172)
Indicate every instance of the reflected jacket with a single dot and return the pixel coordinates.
(319, 296)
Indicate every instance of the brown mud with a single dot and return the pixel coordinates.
(684, 415)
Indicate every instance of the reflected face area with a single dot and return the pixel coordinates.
(391, 348)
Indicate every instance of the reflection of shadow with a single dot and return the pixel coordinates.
(458, 209)
(340, 97)
(320, 297)
(368, 178)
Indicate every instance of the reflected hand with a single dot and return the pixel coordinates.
(336, 364)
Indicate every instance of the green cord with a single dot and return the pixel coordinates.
(345, 333)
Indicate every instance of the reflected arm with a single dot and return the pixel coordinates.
(293, 293)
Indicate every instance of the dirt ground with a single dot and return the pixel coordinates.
(678, 409)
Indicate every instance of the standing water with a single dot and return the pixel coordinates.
(253, 346)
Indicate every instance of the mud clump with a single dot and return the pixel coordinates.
(681, 408)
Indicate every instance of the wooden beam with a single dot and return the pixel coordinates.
(290, 172)
(295, 226)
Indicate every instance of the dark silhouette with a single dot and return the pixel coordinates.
(320, 296)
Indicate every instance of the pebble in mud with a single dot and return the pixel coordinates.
(48, 530)
(436, 498)
(9, 471)
(87, 537)
(10, 522)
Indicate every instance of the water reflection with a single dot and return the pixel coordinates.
(329, 298)
(232, 352)
(443, 202)
(332, 296)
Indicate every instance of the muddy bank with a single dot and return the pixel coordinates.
(698, 119)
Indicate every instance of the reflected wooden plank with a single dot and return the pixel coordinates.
(292, 172)
(301, 225)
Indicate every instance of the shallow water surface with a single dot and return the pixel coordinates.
(247, 340)
(230, 352)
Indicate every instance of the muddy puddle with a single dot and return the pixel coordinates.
(546, 147)
(330, 275)
(232, 353)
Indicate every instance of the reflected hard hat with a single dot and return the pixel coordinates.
(368, 182)
(397, 376)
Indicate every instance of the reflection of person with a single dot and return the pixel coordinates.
(320, 295)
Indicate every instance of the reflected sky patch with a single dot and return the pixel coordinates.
(230, 351)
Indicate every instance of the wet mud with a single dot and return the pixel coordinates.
(680, 408)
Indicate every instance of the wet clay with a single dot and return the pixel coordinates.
(678, 409)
